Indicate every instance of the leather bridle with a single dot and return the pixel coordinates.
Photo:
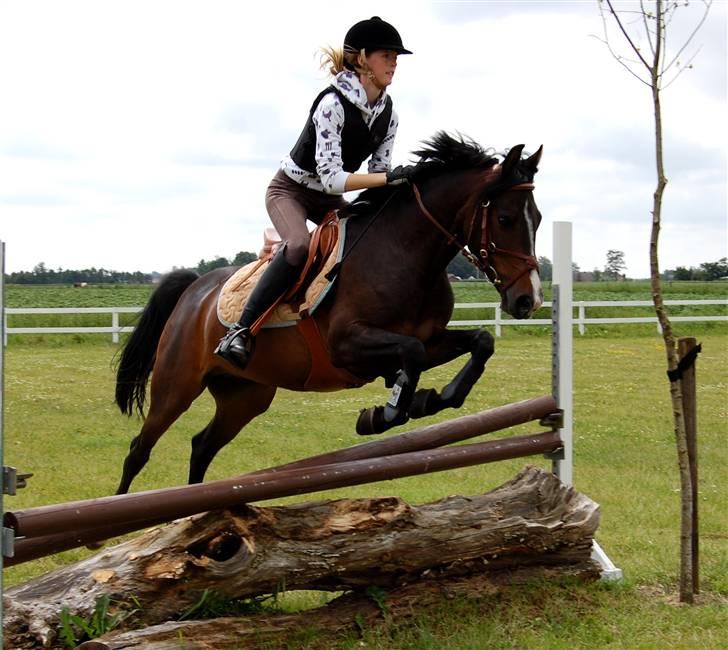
(488, 248)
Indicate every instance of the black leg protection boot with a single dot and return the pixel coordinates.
(237, 345)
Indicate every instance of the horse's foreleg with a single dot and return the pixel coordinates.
(371, 351)
(448, 346)
(377, 419)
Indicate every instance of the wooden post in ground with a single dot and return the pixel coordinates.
(690, 412)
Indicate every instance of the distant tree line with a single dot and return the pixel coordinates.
(241, 259)
(459, 267)
(706, 271)
(43, 275)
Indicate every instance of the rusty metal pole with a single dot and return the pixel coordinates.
(435, 435)
(126, 513)
(424, 438)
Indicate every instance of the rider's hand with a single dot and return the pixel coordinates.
(400, 174)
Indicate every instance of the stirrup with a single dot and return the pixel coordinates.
(236, 346)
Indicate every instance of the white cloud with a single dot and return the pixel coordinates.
(142, 135)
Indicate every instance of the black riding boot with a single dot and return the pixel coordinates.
(237, 345)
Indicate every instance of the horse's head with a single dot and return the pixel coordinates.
(473, 203)
(506, 242)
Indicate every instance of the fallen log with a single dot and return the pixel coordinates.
(347, 615)
(531, 521)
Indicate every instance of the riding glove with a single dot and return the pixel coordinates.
(400, 174)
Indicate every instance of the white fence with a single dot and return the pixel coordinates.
(581, 320)
(499, 320)
(114, 329)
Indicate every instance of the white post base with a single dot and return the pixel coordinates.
(610, 573)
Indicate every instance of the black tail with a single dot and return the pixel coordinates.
(138, 354)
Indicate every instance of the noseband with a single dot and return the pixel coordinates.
(488, 248)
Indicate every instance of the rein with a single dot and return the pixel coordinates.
(488, 248)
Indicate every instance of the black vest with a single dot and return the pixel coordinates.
(358, 142)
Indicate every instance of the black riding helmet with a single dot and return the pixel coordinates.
(374, 34)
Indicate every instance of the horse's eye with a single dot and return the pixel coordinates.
(504, 219)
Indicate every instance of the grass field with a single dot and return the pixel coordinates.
(61, 424)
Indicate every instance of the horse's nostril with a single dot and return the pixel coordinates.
(524, 304)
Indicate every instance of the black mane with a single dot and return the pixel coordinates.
(444, 153)
(441, 153)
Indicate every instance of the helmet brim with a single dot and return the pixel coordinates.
(395, 48)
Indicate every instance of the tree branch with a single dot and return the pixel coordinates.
(616, 57)
(682, 69)
(707, 4)
(627, 36)
(647, 26)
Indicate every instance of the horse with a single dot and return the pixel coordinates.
(386, 315)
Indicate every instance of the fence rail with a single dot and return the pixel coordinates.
(581, 320)
(499, 319)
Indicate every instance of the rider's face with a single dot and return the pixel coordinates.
(382, 64)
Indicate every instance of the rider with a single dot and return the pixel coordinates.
(349, 121)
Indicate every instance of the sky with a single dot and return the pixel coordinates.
(141, 135)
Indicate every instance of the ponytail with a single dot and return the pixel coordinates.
(337, 60)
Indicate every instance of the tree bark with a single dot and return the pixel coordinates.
(533, 522)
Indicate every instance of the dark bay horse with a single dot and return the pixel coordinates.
(386, 316)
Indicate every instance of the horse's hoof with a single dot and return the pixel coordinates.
(378, 419)
(366, 424)
(94, 546)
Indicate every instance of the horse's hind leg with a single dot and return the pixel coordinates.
(450, 345)
(237, 403)
(165, 406)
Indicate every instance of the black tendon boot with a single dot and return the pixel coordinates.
(237, 345)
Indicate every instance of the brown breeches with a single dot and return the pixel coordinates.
(289, 205)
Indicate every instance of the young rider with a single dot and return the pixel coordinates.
(350, 121)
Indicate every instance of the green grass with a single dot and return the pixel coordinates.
(61, 424)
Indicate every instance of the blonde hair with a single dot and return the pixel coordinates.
(336, 60)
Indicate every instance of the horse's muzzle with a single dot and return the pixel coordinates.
(522, 299)
(523, 307)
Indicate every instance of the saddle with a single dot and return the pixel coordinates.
(298, 304)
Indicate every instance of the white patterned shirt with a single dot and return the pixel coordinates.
(328, 120)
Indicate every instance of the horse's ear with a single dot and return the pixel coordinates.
(512, 160)
(531, 163)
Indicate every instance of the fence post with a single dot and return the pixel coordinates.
(582, 317)
(689, 404)
(115, 325)
(562, 344)
(498, 316)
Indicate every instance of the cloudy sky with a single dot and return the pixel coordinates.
(141, 135)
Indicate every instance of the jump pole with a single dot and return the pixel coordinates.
(562, 369)
(66, 525)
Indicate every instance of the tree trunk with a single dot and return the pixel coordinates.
(530, 523)
(348, 614)
(686, 488)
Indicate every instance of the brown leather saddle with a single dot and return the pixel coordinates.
(296, 306)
